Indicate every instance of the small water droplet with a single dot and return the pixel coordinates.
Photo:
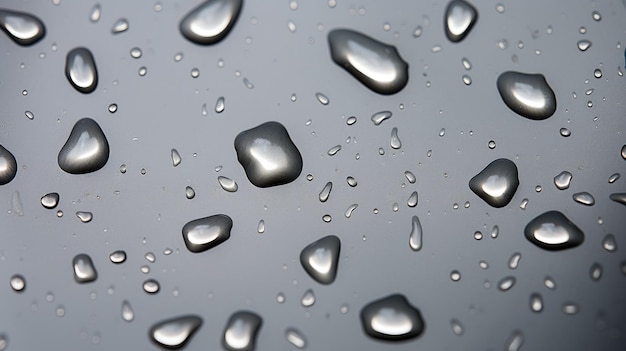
(321, 258)
(112, 108)
(595, 271)
(457, 327)
(584, 198)
(60, 311)
(261, 227)
(459, 19)
(325, 193)
(227, 184)
(195, 73)
(506, 283)
(565, 132)
(80, 70)
(395, 140)
(620, 198)
(584, 44)
(570, 308)
(466, 63)
(597, 73)
(392, 318)
(322, 98)
(142, 71)
(136, 52)
(483, 265)
(220, 105)
(609, 243)
(515, 341)
(497, 183)
(412, 200)
(211, 21)
(128, 314)
(514, 260)
(205, 233)
(415, 237)
(375, 64)
(549, 283)
(151, 286)
(17, 283)
(500, 8)
(528, 95)
(334, 150)
(596, 16)
(563, 180)
(123, 168)
(120, 26)
(553, 231)
(176, 159)
(280, 298)
(150, 257)
(351, 181)
(50, 200)
(84, 270)
(442, 132)
(174, 333)
(350, 210)
(379, 117)
(118, 256)
(84, 216)
(295, 338)
(614, 177)
(536, 302)
(29, 115)
(144, 269)
(455, 276)
(23, 28)
(95, 13)
(308, 299)
(410, 177)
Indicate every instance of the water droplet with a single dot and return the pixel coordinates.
(17, 283)
(410, 177)
(515, 341)
(350, 209)
(412, 201)
(415, 238)
(466, 63)
(174, 333)
(112, 108)
(128, 314)
(553, 231)
(528, 95)
(60, 311)
(497, 183)
(25, 29)
(150, 257)
(210, 22)
(565, 132)
(597, 73)
(351, 120)
(308, 299)
(241, 331)
(29, 115)
(142, 71)
(136, 52)
(620, 198)
(321, 258)
(395, 140)
(418, 31)
(120, 26)
(570, 308)
(375, 64)
(334, 150)
(506, 283)
(144, 269)
(151, 286)
(562, 180)
(118, 256)
(322, 98)
(227, 184)
(614, 177)
(514, 260)
(584, 44)
(95, 13)
(455, 276)
(220, 105)
(483, 265)
(536, 302)
(549, 283)
(379, 117)
(584, 198)
(248, 83)
(80, 70)
(86, 149)
(457, 327)
(595, 271)
(8, 166)
(280, 298)
(609, 243)
(459, 19)
(4, 342)
(325, 193)
(176, 159)
(84, 270)
(295, 338)
(268, 155)
(351, 181)
(478, 235)
(205, 233)
(50, 200)
(84, 216)
(392, 318)
(596, 16)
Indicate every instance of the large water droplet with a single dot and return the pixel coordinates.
(392, 318)
(80, 70)
(50, 200)
(375, 64)
(268, 155)
(128, 314)
(553, 231)
(8, 166)
(321, 258)
(227, 184)
(241, 331)
(295, 338)
(25, 29)
(620, 198)
(17, 283)
(459, 19)
(325, 193)
(84, 270)
(174, 333)
(562, 180)
(211, 21)
(415, 238)
(528, 95)
(497, 183)
(584, 198)
(86, 149)
(205, 233)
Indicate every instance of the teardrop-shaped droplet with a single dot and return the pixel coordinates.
(457, 327)
(334, 150)
(8, 166)
(350, 210)
(515, 341)
(308, 299)
(375, 64)
(118, 256)
(583, 45)
(562, 180)
(322, 98)
(614, 177)
(609, 243)
(205, 233)
(536, 302)
(497, 183)
(25, 29)
(84, 270)
(120, 26)
(295, 338)
(95, 13)
(514, 260)
(506, 283)
(351, 181)
(241, 331)
(321, 258)
(379, 117)
(325, 193)
(81, 71)
(395, 140)
(220, 105)
(392, 318)
(190, 193)
(528, 95)
(412, 201)
(128, 314)
(50, 200)
(459, 19)
(227, 184)
(176, 159)
(553, 231)
(415, 238)
(174, 333)
(410, 177)
(584, 198)
(84, 216)
(211, 21)
(268, 155)
(17, 283)
(620, 198)
(86, 149)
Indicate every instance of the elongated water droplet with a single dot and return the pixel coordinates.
(81, 71)
(86, 149)
(118, 256)
(321, 258)
(528, 95)
(295, 338)
(584, 198)
(17, 283)
(334, 150)
(268, 155)
(410, 177)
(25, 29)
(351, 181)
(351, 120)
(584, 44)
(392, 318)
(497, 183)
(261, 227)
(241, 331)
(395, 140)
(30, 115)
(50, 200)
(609, 243)
(412, 201)
(205, 233)
(227, 184)
(553, 231)
(549, 283)
(515, 341)
(415, 238)
(506, 283)
(210, 22)
(536, 302)
(595, 271)
(459, 19)
(325, 193)
(128, 314)
(84, 270)
(220, 105)
(350, 210)
(176, 159)
(120, 26)
(174, 333)
(95, 13)
(84, 216)
(562, 180)
(570, 308)
(614, 177)
(457, 327)
(8, 166)
(620, 198)
(514, 260)
(322, 98)
(375, 64)
(379, 117)
(151, 286)
(308, 299)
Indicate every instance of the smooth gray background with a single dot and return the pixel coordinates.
(162, 111)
